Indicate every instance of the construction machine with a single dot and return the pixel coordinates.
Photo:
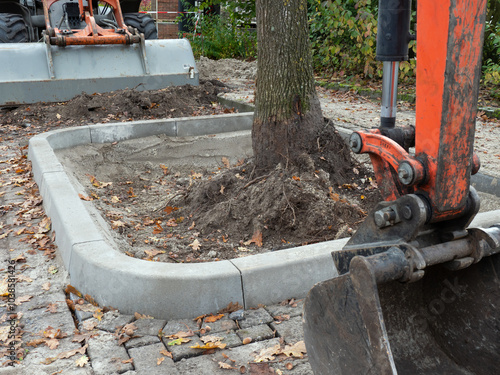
(53, 50)
(418, 290)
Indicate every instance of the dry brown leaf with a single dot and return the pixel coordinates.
(181, 334)
(231, 307)
(85, 198)
(296, 350)
(130, 360)
(211, 338)
(178, 341)
(226, 366)
(22, 299)
(35, 342)
(256, 239)
(159, 361)
(213, 318)
(89, 325)
(166, 353)
(51, 307)
(71, 353)
(52, 343)
(46, 286)
(226, 163)
(71, 289)
(82, 361)
(209, 345)
(268, 354)
(142, 316)
(195, 245)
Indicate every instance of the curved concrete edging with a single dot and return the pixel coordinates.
(164, 290)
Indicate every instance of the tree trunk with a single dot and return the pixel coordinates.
(287, 110)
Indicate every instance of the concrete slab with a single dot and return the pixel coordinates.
(163, 290)
(273, 277)
(70, 219)
(107, 133)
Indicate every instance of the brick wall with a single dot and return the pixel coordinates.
(167, 12)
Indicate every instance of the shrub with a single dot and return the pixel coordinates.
(221, 36)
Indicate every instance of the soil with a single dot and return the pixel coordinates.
(181, 213)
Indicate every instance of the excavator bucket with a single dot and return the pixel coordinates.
(446, 323)
(33, 72)
(418, 290)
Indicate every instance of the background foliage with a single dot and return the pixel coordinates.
(343, 37)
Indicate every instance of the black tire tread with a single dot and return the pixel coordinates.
(143, 23)
(13, 29)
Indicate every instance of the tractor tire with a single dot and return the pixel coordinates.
(143, 23)
(13, 29)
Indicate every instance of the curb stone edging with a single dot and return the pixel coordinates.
(165, 290)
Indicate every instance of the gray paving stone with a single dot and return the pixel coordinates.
(279, 309)
(175, 326)
(255, 317)
(149, 327)
(224, 324)
(112, 320)
(230, 338)
(256, 333)
(106, 356)
(209, 365)
(290, 330)
(184, 350)
(41, 352)
(146, 359)
(141, 341)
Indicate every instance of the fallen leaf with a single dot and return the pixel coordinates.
(82, 361)
(222, 188)
(71, 353)
(261, 369)
(195, 245)
(22, 299)
(209, 345)
(35, 342)
(166, 353)
(213, 318)
(225, 161)
(226, 366)
(130, 360)
(296, 178)
(296, 350)
(178, 341)
(85, 198)
(71, 289)
(256, 239)
(211, 338)
(46, 286)
(268, 354)
(159, 361)
(52, 343)
(170, 209)
(51, 307)
(142, 316)
(89, 325)
(181, 334)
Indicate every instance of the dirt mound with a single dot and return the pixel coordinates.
(115, 106)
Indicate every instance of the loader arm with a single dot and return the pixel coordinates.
(390, 309)
(92, 33)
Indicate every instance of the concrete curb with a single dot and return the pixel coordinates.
(164, 290)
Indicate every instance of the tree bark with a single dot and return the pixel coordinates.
(287, 109)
